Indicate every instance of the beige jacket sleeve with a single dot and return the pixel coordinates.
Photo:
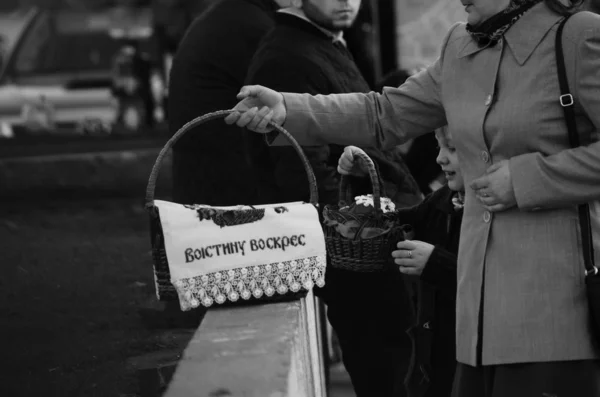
(370, 120)
(572, 176)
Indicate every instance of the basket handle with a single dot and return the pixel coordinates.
(345, 189)
(151, 187)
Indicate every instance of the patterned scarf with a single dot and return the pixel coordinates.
(489, 32)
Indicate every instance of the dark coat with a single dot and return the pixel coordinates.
(365, 309)
(298, 57)
(211, 164)
(435, 221)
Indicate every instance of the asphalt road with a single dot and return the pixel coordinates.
(75, 274)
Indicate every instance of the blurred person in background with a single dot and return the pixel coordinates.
(2, 51)
(131, 86)
(170, 20)
(38, 116)
(210, 163)
(306, 53)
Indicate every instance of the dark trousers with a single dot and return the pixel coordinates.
(552, 379)
(370, 313)
(375, 369)
(434, 343)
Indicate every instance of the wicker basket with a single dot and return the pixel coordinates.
(164, 289)
(360, 254)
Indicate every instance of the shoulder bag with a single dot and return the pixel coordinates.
(592, 275)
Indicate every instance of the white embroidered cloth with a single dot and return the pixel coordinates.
(281, 249)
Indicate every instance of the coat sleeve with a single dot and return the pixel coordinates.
(442, 264)
(440, 270)
(572, 176)
(417, 215)
(370, 120)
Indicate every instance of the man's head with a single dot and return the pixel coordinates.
(448, 159)
(333, 15)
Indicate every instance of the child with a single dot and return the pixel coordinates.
(432, 258)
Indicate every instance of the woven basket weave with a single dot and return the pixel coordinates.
(164, 289)
(359, 254)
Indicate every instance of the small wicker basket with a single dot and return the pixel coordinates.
(360, 254)
(164, 289)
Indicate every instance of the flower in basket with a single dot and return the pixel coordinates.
(361, 214)
(365, 205)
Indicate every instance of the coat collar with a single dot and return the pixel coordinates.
(524, 37)
(298, 13)
(267, 5)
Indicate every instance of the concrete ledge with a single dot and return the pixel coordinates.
(268, 350)
(99, 174)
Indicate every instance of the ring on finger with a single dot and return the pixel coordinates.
(410, 254)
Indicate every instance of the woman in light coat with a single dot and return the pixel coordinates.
(523, 327)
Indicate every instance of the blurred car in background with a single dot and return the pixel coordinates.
(57, 71)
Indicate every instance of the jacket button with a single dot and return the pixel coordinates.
(488, 100)
(487, 216)
(485, 156)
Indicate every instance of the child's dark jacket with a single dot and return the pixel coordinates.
(437, 222)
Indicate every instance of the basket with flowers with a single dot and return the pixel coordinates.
(361, 232)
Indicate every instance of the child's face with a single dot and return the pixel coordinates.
(448, 159)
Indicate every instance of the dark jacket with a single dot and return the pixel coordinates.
(365, 309)
(435, 221)
(298, 57)
(210, 163)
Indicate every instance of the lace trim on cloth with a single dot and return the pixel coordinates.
(251, 281)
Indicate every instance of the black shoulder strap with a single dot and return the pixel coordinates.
(567, 102)
(566, 99)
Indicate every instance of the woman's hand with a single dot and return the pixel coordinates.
(412, 256)
(495, 190)
(258, 106)
(350, 165)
